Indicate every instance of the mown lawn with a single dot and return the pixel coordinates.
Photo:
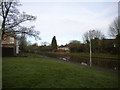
(40, 72)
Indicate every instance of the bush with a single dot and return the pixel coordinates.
(76, 46)
(44, 49)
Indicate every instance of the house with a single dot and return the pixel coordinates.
(63, 48)
(10, 45)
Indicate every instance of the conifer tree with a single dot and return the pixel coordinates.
(54, 44)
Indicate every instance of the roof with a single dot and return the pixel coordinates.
(11, 34)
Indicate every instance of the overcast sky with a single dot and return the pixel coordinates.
(69, 20)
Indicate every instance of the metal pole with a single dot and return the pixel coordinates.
(90, 50)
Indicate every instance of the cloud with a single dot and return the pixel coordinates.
(69, 21)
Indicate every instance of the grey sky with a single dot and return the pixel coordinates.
(69, 20)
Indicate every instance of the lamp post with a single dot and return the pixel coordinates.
(90, 49)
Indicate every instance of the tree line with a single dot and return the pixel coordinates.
(99, 43)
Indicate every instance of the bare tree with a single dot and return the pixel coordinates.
(114, 28)
(12, 19)
(92, 34)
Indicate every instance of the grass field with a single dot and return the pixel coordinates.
(40, 72)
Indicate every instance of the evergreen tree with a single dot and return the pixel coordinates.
(54, 44)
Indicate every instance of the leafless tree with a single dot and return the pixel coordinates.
(114, 28)
(12, 19)
(92, 34)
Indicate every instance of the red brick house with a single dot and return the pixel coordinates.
(10, 45)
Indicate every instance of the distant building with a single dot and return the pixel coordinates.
(10, 46)
(63, 48)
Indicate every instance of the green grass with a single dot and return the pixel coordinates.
(40, 72)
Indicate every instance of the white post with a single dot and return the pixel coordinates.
(17, 47)
(90, 50)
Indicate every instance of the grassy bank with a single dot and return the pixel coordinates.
(40, 72)
(102, 55)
